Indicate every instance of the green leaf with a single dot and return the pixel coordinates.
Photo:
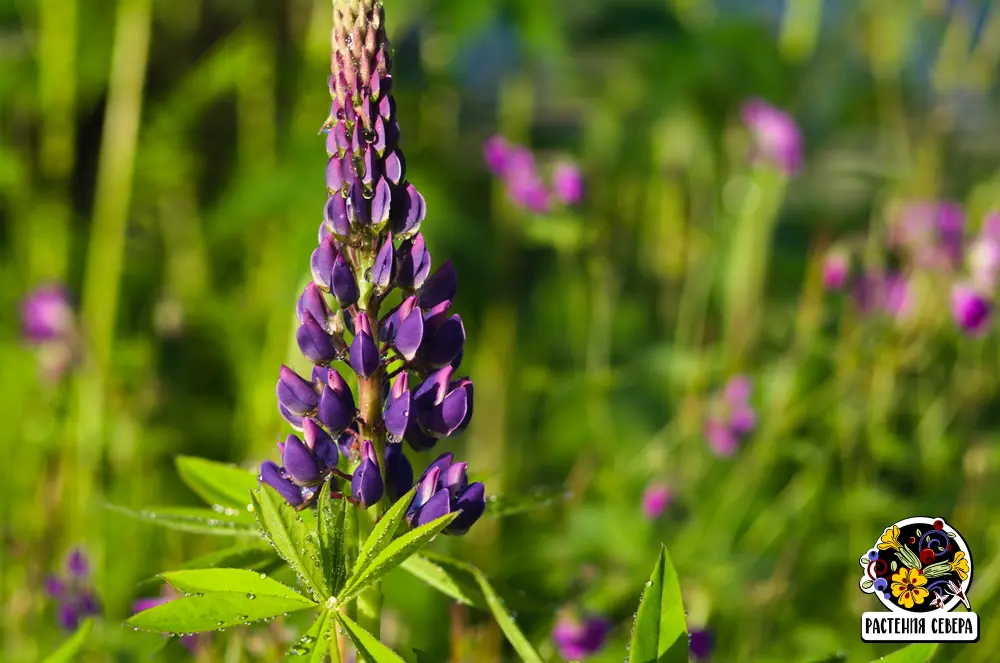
(215, 610)
(456, 583)
(368, 646)
(217, 483)
(494, 604)
(383, 532)
(71, 648)
(659, 634)
(256, 557)
(393, 555)
(330, 525)
(867, 583)
(291, 538)
(314, 645)
(190, 519)
(834, 658)
(251, 583)
(424, 657)
(919, 653)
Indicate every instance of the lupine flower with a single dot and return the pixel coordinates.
(700, 644)
(983, 255)
(971, 309)
(567, 183)
(75, 598)
(48, 322)
(836, 269)
(577, 638)
(731, 417)
(442, 489)
(191, 642)
(931, 232)
(655, 500)
(776, 135)
(404, 359)
(890, 294)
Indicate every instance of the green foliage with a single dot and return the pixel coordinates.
(191, 519)
(317, 642)
(291, 537)
(917, 653)
(368, 647)
(70, 650)
(217, 483)
(331, 525)
(660, 633)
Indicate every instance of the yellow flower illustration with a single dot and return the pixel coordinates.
(908, 587)
(890, 539)
(960, 565)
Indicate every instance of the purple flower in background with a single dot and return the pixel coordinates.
(836, 269)
(46, 314)
(700, 644)
(776, 135)
(403, 358)
(577, 638)
(655, 500)
(74, 596)
(567, 183)
(971, 309)
(191, 642)
(983, 255)
(496, 154)
(875, 292)
(731, 418)
(932, 232)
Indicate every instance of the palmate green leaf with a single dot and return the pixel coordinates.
(455, 583)
(368, 646)
(330, 527)
(317, 642)
(255, 556)
(215, 610)
(291, 537)
(917, 653)
(202, 581)
(382, 533)
(393, 555)
(191, 519)
(69, 651)
(217, 483)
(659, 634)
(461, 572)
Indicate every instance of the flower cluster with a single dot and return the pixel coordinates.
(516, 166)
(370, 250)
(777, 139)
(577, 637)
(74, 596)
(48, 322)
(927, 240)
(731, 417)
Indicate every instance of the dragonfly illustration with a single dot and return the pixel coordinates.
(955, 590)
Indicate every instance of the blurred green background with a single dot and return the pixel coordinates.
(162, 159)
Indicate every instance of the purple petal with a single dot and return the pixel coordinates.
(397, 414)
(314, 343)
(433, 389)
(409, 335)
(367, 483)
(336, 409)
(68, 617)
(271, 474)
(437, 506)
(472, 504)
(145, 604)
(335, 215)
(299, 462)
(496, 153)
(466, 384)
(972, 311)
(720, 438)
(440, 287)
(455, 479)
(54, 586)
(385, 264)
(742, 420)
(409, 213)
(700, 644)
(737, 390)
(440, 348)
(414, 263)
(357, 206)
(46, 314)
(364, 354)
(342, 282)
(320, 443)
(322, 260)
(296, 394)
(398, 471)
(655, 500)
(395, 167)
(77, 564)
(444, 419)
(381, 203)
(312, 301)
(293, 419)
(567, 183)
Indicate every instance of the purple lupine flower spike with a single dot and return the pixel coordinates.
(370, 245)
(496, 154)
(75, 598)
(367, 484)
(567, 183)
(776, 135)
(971, 309)
(731, 418)
(700, 644)
(577, 638)
(443, 488)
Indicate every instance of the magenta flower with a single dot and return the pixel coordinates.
(577, 638)
(932, 231)
(971, 309)
(655, 500)
(74, 596)
(567, 183)
(776, 135)
(731, 417)
(890, 294)
(836, 269)
(983, 255)
(191, 642)
(496, 154)
(46, 314)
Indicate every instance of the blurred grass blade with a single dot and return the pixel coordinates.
(291, 538)
(393, 555)
(215, 610)
(659, 634)
(188, 519)
(461, 574)
(368, 646)
(70, 650)
(918, 653)
(217, 483)
(330, 526)
(499, 506)
(382, 533)
(201, 581)
(452, 582)
(315, 644)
